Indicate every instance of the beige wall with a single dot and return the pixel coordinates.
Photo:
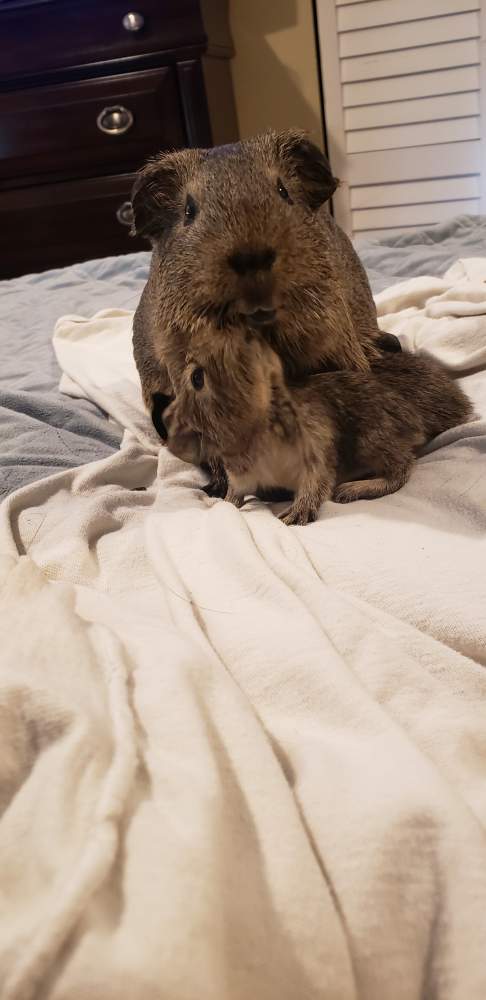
(274, 69)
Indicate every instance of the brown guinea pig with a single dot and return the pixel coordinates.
(338, 435)
(241, 234)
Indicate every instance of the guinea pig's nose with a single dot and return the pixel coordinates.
(246, 261)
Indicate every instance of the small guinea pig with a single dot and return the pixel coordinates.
(339, 435)
(242, 234)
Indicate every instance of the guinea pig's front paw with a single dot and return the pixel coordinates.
(217, 487)
(234, 498)
(160, 402)
(298, 514)
(346, 492)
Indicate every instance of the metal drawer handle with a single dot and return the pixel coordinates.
(133, 21)
(124, 213)
(115, 120)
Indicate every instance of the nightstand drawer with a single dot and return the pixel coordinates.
(56, 224)
(92, 127)
(56, 34)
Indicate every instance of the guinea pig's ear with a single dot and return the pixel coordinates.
(155, 195)
(308, 164)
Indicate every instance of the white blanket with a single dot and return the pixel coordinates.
(239, 760)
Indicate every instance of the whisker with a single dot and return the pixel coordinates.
(223, 309)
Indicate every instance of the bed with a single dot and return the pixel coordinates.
(42, 430)
(236, 760)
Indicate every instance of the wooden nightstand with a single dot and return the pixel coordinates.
(88, 90)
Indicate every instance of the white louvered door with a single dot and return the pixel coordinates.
(405, 102)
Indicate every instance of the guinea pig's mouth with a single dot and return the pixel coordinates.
(228, 312)
(260, 317)
(184, 443)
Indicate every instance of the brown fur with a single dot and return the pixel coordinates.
(339, 435)
(248, 248)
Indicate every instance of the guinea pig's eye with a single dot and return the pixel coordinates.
(197, 379)
(283, 191)
(190, 210)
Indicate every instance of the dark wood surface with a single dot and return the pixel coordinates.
(54, 130)
(62, 63)
(194, 102)
(69, 34)
(52, 225)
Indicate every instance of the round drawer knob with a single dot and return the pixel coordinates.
(133, 21)
(124, 214)
(115, 120)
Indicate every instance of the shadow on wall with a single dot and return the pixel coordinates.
(275, 75)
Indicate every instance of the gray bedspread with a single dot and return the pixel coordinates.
(42, 431)
(425, 251)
